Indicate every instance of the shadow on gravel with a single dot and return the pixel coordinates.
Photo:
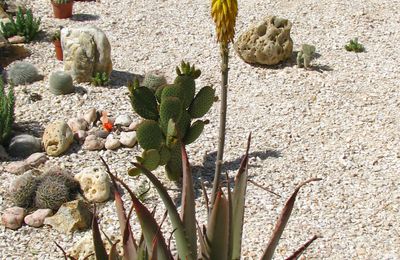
(120, 78)
(28, 127)
(84, 17)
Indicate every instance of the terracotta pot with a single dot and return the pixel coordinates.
(59, 52)
(62, 11)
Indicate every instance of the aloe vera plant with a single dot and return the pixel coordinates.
(219, 239)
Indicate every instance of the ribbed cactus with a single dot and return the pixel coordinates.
(60, 83)
(169, 111)
(305, 55)
(21, 73)
(7, 103)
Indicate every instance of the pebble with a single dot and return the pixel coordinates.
(90, 116)
(18, 167)
(112, 143)
(77, 124)
(93, 143)
(128, 139)
(13, 218)
(36, 219)
(123, 120)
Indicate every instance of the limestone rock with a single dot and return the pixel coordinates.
(93, 143)
(16, 39)
(95, 184)
(71, 216)
(24, 145)
(36, 219)
(13, 217)
(123, 120)
(57, 138)
(86, 51)
(112, 143)
(128, 139)
(18, 167)
(267, 42)
(90, 116)
(77, 124)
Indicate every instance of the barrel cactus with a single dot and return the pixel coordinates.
(168, 112)
(21, 73)
(60, 83)
(7, 103)
(153, 80)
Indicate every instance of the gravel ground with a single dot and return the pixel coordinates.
(339, 121)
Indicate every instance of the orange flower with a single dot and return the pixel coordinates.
(107, 126)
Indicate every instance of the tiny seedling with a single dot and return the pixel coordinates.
(100, 79)
(354, 45)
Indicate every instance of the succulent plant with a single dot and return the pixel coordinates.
(219, 239)
(168, 114)
(23, 25)
(59, 2)
(305, 55)
(354, 45)
(60, 83)
(22, 72)
(153, 80)
(55, 188)
(24, 189)
(100, 79)
(7, 104)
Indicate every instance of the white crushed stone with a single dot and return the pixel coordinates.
(340, 123)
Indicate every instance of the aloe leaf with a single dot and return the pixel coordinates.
(299, 251)
(238, 204)
(182, 243)
(99, 248)
(218, 229)
(128, 242)
(188, 213)
(147, 222)
(282, 221)
(113, 253)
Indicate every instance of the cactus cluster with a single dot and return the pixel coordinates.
(21, 73)
(169, 111)
(7, 103)
(60, 83)
(48, 191)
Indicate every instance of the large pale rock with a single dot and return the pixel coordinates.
(36, 219)
(13, 217)
(24, 145)
(95, 184)
(86, 51)
(71, 216)
(57, 138)
(267, 42)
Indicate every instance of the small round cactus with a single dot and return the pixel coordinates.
(153, 80)
(51, 194)
(23, 190)
(21, 73)
(60, 83)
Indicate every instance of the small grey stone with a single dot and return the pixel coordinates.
(123, 120)
(93, 143)
(128, 139)
(36, 159)
(24, 145)
(112, 143)
(77, 124)
(90, 116)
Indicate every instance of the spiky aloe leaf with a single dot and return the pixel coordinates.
(299, 251)
(282, 221)
(182, 242)
(113, 252)
(128, 241)
(146, 219)
(218, 230)
(188, 213)
(238, 204)
(99, 249)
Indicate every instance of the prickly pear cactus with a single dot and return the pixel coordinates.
(168, 112)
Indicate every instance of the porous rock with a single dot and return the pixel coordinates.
(95, 184)
(72, 216)
(86, 51)
(57, 138)
(267, 42)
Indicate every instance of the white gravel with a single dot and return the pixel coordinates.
(339, 122)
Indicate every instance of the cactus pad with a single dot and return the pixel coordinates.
(149, 135)
(194, 132)
(143, 101)
(202, 102)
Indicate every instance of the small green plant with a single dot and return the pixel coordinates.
(100, 79)
(169, 115)
(56, 36)
(23, 25)
(305, 55)
(354, 45)
(7, 104)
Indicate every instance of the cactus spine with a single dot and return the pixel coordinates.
(7, 103)
(168, 112)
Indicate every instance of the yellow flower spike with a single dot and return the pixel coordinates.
(224, 14)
